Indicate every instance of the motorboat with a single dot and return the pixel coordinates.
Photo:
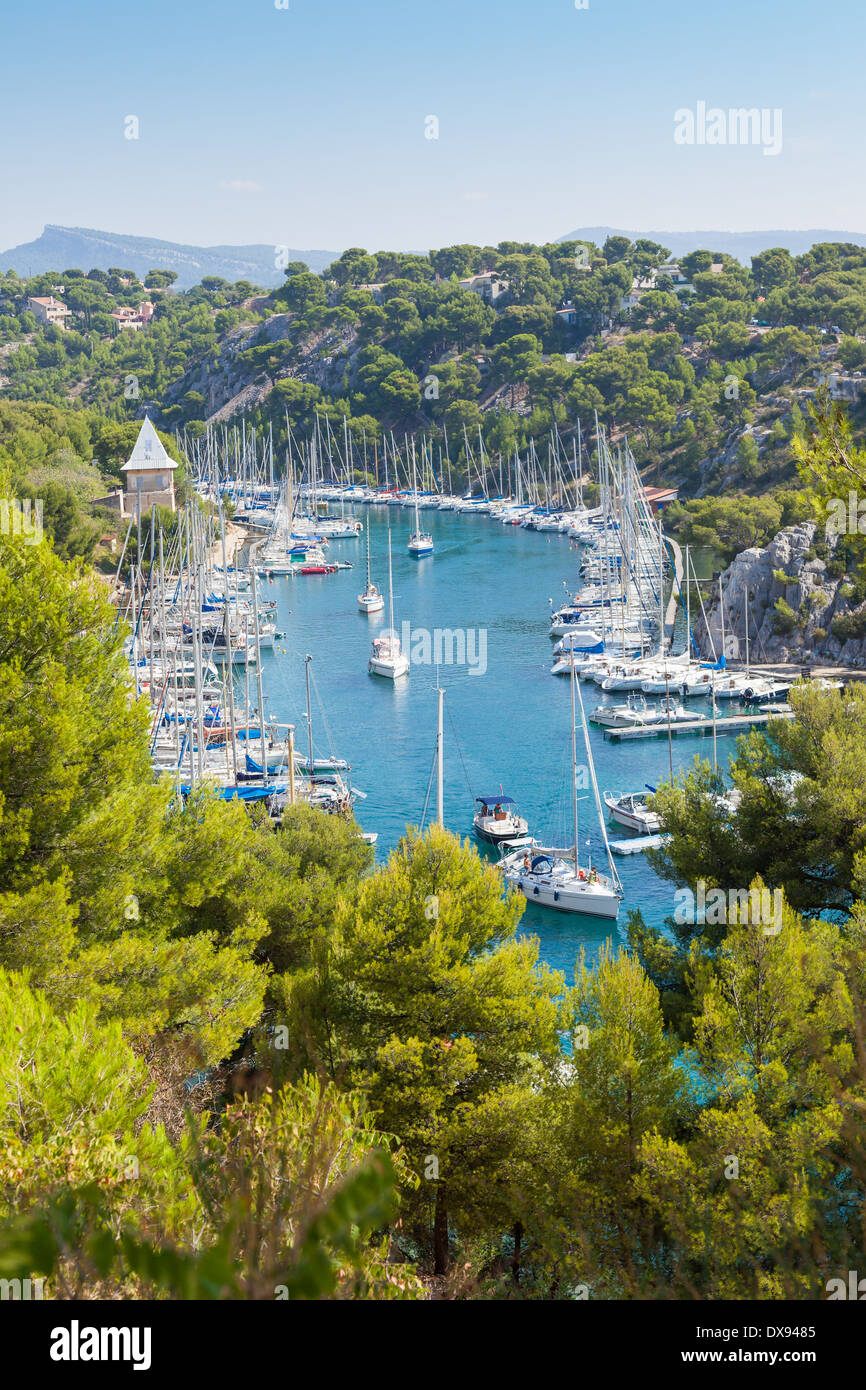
(630, 809)
(636, 713)
(496, 819)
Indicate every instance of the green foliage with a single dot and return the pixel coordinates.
(667, 377)
(726, 524)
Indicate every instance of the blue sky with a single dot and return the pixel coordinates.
(306, 126)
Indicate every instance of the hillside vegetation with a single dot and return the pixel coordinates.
(707, 365)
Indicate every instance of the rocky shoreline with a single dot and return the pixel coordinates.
(792, 604)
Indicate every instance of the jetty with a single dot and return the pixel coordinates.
(701, 724)
(638, 843)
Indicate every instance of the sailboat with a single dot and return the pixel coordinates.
(420, 542)
(371, 601)
(387, 657)
(554, 877)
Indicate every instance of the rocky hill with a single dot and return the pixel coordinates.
(798, 609)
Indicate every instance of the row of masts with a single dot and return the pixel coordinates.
(239, 460)
(198, 626)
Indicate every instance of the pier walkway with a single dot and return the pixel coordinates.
(701, 724)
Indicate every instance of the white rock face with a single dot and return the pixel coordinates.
(753, 585)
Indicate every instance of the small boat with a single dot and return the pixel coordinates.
(420, 542)
(320, 765)
(637, 713)
(731, 687)
(370, 601)
(387, 657)
(548, 877)
(632, 811)
(554, 877)
(624, 678)
(766, 692)
(494, 823)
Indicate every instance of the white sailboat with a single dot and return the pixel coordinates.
(554, 877)
(420, 542)
(371, 600)
(386, 656)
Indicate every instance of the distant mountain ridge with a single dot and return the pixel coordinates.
(743, 245)
(85, 248)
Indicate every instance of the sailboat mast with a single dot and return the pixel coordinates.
(307, 660)
(574, 763)
(390, 589)
(260, 691)
(440, 761)
(688, 609)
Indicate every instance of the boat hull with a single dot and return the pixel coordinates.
(373, 604)
(499, 836)
(392, 668)
(587, 900)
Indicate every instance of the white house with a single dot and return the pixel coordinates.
(488, 285)
(49, 311)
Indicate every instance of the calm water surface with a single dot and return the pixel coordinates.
(508, 728)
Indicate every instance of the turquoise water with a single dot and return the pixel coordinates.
(508, 727)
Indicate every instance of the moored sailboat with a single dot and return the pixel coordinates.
(554, 877)
(420, 542)
(371, 600)
(387, 657)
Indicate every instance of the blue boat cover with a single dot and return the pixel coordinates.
(253, 766)
(240, 793)
(539, 860)
(496, 800)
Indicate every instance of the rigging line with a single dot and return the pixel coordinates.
(324, 716)
(429, 788)
(453, 728)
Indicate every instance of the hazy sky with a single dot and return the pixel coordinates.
(305, 126)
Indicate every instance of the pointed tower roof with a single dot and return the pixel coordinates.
(149, 451)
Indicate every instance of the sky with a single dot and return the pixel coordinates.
(308, 126)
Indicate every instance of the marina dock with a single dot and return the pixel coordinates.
(636, 844)
(702, 724)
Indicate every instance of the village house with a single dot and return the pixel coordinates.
(148, 476)
(49, 311)
(127, 317)
(673, 270)
(488, 285)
